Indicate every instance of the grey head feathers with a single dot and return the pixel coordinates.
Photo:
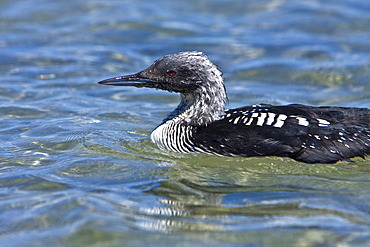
(194, 76)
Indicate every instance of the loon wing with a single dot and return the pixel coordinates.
(308, 134)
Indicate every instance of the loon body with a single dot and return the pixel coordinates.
(201, 124)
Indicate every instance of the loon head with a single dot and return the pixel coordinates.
(192, 75)
(185, 72)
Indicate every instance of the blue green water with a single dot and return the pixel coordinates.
(77, 167)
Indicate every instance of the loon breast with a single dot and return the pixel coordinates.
(175, 136)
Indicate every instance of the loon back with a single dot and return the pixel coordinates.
(201, 124)
(304, 133)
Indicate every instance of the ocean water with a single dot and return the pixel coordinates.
(77, 167)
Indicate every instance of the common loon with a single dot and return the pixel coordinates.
(201, 124)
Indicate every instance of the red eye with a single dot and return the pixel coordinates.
(171, 73)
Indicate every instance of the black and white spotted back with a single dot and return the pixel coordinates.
(309, 134)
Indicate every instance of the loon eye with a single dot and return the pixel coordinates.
(171, 73)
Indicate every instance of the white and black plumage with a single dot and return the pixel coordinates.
(201, 124)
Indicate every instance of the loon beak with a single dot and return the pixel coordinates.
(136, 80)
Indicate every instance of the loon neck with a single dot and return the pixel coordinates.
(202, 107)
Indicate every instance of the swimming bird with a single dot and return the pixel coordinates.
(200, 122)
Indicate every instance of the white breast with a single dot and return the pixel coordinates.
(173, 136)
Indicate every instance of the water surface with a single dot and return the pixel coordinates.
(77, 167)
